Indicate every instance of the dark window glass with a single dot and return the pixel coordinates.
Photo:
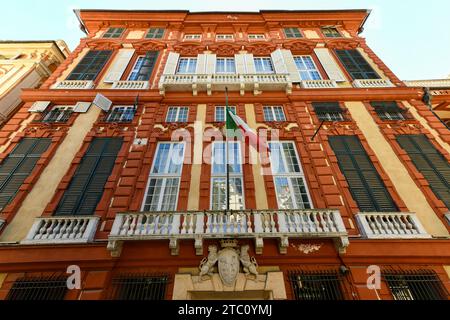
(38, 289)
(91, 65)
(86, 187)
(292, 33)
(155, 33)
(365, 184)
(331, 32)
(139, 287)
(430, 163)
(415, 285)
(321, 285)
(356, 65)
(18, 166)
(114, 33)
(328, 111)
(144, 67)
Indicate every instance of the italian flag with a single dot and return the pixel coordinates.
(234, 122)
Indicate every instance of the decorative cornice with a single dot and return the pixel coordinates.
(149, 45)
(189, 48)
(300, 46)
(102, 44)
(343, 44)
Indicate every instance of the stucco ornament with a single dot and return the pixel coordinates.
(229, 260)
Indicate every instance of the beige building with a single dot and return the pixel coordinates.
(26, 64)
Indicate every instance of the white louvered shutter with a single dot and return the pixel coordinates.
(278, 61)
(211, 63)
(239, 60)
(291, 66)
(39, 106)
(329, 64)
(82, 107)
(171, 64)
(249, 63)
(119, 65)
(201, 64)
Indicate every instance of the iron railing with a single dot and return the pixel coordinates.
(54, 116)
(39, 288)
(415, 285)
(119, 116)
(329, 116)
(316, 285)
(139, 287)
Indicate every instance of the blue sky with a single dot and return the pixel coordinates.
(411, 36)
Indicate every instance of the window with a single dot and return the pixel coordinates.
(86, 186)
(91, 65)
(114, 33)
(18, 166)
(263, 65)
(164, 181)
(139, 287)
(290, 185)
(155, 33)
(58, 114)
(320, 285)
(430, 163)
(192, 37)
(218, 176)
(328, 111)
(356, 65)
(38, 289)
(143, 67)
(388, 110)
(292, 33)
(225, 65)
(307, 68)
(415, 285)
(224, 37)
(220, 113)
(256, 37)
(331, 32)
(365, 184)
(187, 65)
(177, 114)
(121, 114)
(273, 113)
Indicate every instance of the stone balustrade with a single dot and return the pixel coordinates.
(434, 83)
(217, 82)
(318, 84)
(130, 85)
(74, 85)
(372, 83)
(280, 224)
(58, 230)
(391, 225)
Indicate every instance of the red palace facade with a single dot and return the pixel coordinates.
(132, 195)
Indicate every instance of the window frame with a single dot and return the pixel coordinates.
(334, 36)
(358, 68)
(193, 36)
(330, 116)
(293, 33)
(264, 70)
(164, 176)
(289, 176)
(65, 111)
(114, 34)
(224, 110)
(123, 115)
(85, 73)
(190, 61)
(256, 36)
(177, 114)
(225, 65)
(149, 32)
(307, 70)
(274, 114)
(224, 37)
(222, 175)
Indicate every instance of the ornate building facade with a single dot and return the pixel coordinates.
(131, 189)
(26, 64)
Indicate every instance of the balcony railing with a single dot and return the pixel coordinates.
(258, 225)
(130, 85)
(217, 82)
(74, 85)
(59, 230)
(387, 225)
(372, 83)
(54, 116)
(318, 84)
(436, 83)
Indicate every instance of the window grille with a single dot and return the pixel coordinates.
(316, 285)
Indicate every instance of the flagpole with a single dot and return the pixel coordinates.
(226, 150)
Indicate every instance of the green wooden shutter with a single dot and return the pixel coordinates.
(430, 163)
(356, 65)
(86, 187)
(91, 65)
(19, 165)
(147, 66)
(365, 184)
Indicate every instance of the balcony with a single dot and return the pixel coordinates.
(387, 225)
(318, 84)
(257, 225)
(62, 230)
(373, 83)
(217, 82)
(74, 85)
(130, 85)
